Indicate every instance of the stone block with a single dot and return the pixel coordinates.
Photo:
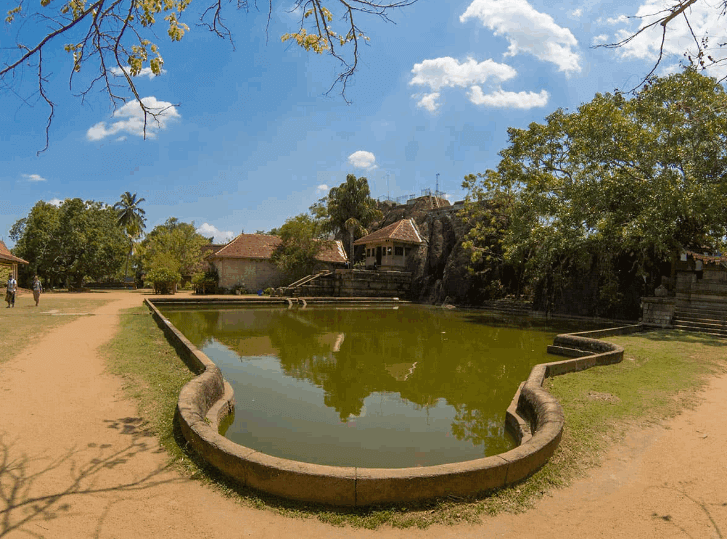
(378, 486)
(331, 485)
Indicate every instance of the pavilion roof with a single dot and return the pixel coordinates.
(404, 231)
(7, 256)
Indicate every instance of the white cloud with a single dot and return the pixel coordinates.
(704, 20)
(145, 72)
(528, 31)
(514, 100)
(130, 119)
(600, 38)
(362, 159)
(322, 188)
(34, 178)
(218, 236)
(616, 20)
(576, 13)
(56, 202)
(428, 101)
(444, 72)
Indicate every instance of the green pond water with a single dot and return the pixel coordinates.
(375, 387)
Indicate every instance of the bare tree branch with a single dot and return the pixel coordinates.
(114, 37)
(664, 19)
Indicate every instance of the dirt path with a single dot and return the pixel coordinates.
(73, 463)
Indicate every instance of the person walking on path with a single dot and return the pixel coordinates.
(12, 289)
(37, 289)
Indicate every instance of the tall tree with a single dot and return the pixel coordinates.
(301, 243)
(620, 183)
(486, 215)
(35, 241)
(174, 246)
(348, 209)
(67, 244)
(131, 218)
(116, 40)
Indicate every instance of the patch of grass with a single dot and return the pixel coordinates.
(660, 375)
(153, 373)
(25, 323)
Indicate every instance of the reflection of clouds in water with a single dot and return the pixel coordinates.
(352, 417)
(429, 380)
(401, 371)
(266, 363)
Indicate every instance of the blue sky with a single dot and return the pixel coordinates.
(252, 138)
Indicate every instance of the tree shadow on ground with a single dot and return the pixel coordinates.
(22, 477)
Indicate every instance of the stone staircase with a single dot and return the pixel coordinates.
(703, 318)
(292, 287)
(351, 283)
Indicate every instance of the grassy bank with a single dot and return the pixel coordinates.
(25, 323)
(661, 375)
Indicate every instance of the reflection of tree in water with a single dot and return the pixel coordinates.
(197, 326)
(475, 426)
(432, 358)
(420, 354)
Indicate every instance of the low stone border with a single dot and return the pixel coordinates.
(535, 417)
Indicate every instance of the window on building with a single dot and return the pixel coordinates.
(388, 251)
(368, 252)
(399, 251)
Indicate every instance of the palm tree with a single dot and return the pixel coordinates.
(131, 219)
(354, 226)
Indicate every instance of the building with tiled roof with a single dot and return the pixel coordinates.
(389, 248)
(8, 261)
(245, 261)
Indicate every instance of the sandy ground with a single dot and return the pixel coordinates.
(73, 463)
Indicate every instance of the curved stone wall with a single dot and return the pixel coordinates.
(534, 416)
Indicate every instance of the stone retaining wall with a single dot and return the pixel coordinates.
(357, 283)
(534, 415)
(658, 311)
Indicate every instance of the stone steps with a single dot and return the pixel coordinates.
(696, 329)
(709, 319)
(700, 314)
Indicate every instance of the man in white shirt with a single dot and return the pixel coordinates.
(12, 288)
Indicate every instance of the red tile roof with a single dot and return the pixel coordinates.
(249, 246)
(333, 251)
(6, 255)
(405, 231)
(261, 246)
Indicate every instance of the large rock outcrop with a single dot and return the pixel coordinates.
(439, 267)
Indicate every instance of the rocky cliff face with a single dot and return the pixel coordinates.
(439, 267)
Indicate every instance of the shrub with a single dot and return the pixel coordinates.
(205, 281)
(162, 280)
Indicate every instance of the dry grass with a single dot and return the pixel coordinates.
(25, 322)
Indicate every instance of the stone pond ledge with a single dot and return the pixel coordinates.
(535, 418)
